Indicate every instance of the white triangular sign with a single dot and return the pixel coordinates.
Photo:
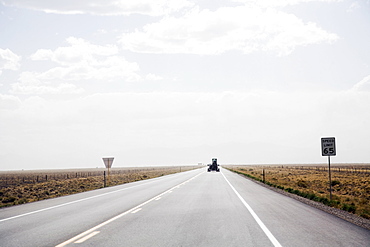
(108, 162)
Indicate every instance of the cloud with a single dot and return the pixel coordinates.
(9, 102)
(79, 61)
(108, 7)
(31, 83)
(280, 3)
(82, 60)
(245, 28)
(353, 7)
(9, 60)
(78, 50)
(363, 85)
(153, 77)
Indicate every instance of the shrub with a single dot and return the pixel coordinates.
(335, 182)
(311, 196)
(324, 200)
(350, 208)
(22, 201)
(333, 203)
(296, 192)
(8, 199)
(289, 190)
(302, 183)
(365, 214)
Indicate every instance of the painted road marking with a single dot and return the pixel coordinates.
(159, 198)
(86, 237)
(135, 211)
(80, 200)
(72, 202)
(255, 216)
(117, 217)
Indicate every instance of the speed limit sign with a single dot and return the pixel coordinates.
(328, 146)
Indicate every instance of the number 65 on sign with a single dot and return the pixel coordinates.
(328, 146)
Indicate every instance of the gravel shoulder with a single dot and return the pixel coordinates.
(354, 219)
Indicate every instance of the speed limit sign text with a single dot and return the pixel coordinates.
(328, 146)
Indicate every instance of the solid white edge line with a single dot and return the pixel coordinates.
(72, 202)
(118, 216)
(255, 216)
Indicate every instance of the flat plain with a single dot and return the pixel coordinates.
(350, 183)
(19, 187)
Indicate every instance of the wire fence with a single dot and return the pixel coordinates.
(341, 169)
(32, 177)
(359, 169)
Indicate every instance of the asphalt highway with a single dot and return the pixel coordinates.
(194, 208)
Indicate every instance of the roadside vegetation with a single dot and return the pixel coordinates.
(29, 186)
(350, 184)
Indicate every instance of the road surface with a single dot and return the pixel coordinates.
(194, 208)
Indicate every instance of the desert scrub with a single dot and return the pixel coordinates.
(350, 189)
(30, 187)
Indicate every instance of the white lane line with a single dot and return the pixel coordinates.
(135, 211)
(117, 217)
(159, 198)
(255, 216)
(72, 202)
(86, 237)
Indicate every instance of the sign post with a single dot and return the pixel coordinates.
(108, 164)
(328, 149)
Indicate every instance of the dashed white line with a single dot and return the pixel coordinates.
(88, 232)
(255, 216)
(72, 202)
(81, 240)
(76, 201)
(135, 211)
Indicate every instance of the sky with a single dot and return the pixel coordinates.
(181, 82)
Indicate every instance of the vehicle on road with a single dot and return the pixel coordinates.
(214, 166)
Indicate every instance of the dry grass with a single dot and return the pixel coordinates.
(27, 186)
(350, 190)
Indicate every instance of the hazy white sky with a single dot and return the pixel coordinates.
(180, 82)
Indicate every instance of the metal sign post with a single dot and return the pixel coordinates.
(328, 149)
(108, 164)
